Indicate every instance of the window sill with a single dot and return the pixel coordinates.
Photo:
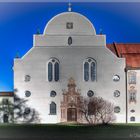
(52, 114)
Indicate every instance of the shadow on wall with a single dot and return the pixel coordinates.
(17, 112)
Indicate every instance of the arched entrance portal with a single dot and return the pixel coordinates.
(70, 104)
(72, 114)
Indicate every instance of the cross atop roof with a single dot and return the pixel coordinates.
(69, 7)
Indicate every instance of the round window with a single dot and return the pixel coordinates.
(53, 60)
(53, 93)
(89, 60)
(27, 93)
(132, 111)
(90, 93)
(117, 109)
(116, 93)
(27, 78)
(116, 78)
(27, 110)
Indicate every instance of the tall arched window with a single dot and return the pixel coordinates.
(86, 71)
(53, 70)
(90, 69)
(50, 71)
(93, 71)
(56, 69)
(53, 108)
(132, 75)
(132, 94)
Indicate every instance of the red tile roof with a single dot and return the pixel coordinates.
(131, 52)
(6, 93)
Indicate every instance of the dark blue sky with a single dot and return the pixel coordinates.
(19, 21)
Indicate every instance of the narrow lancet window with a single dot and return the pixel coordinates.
(56, 68)
(50, 71)
(86, 71)
(93, 71)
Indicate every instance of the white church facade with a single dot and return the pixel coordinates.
(70, 60)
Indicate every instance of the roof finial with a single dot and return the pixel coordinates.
(38, 31)
(69, 8)
(17, 55)
(101, 31)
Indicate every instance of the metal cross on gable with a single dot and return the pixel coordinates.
(69, 7)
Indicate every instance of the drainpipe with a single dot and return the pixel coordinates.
(114, 44)
(126, 95)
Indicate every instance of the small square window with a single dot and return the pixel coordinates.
(69, 25)
(27, 78)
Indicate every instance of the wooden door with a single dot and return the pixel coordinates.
(71, 114)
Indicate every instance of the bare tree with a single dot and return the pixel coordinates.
(96, 110)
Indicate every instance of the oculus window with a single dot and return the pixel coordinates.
(116, 78)
(132, 110)
(90, 93)
(116, 93)
(53, 93)
(117, 109)
(27, 111)
(27, 93)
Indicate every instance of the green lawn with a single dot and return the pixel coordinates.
(70, 132)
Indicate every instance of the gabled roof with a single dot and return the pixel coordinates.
(129, 51)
